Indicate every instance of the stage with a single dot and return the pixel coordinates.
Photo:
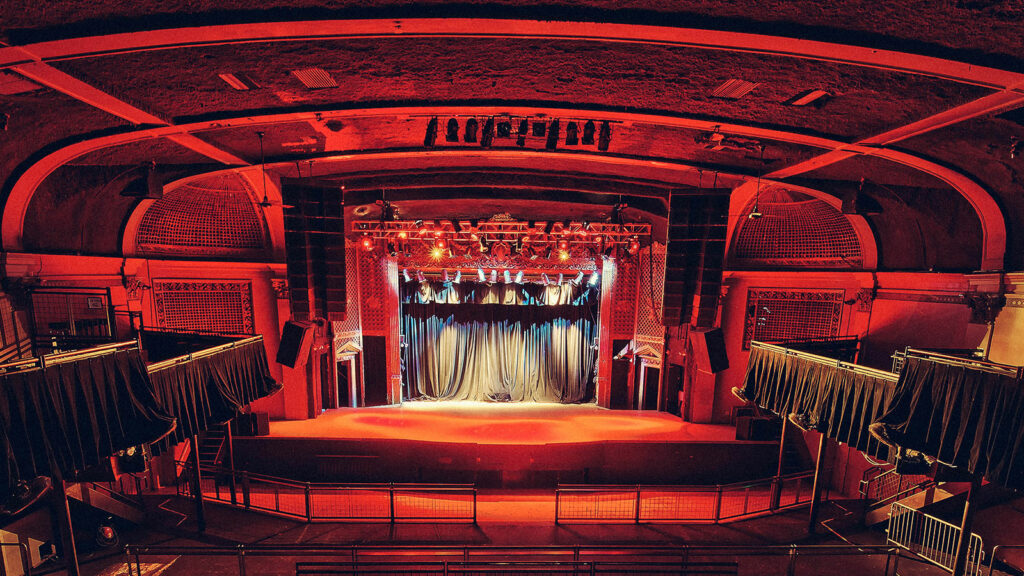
(504, 444)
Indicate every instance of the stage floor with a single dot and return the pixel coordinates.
(501, 423)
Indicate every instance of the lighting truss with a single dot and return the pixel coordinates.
(503, 231)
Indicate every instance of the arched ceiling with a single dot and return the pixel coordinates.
(923, 107)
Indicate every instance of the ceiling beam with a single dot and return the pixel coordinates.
(69, 85)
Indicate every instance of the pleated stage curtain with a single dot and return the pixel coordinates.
(73, 415)
(510, 342)
(962, 416)
(210, 390)
(836, 398)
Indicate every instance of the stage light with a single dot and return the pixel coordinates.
(506, 277)
(441, 244)
(544, 278)
(578, 279)
(438, 232)
(403, 235)
(487, 137)
(494, 276)
(563, 255)
(605, 137)
(392, 250)
(452, 133)
(609, 251)
(633, 246)
(572, 134)
(405, 275)
(367, 243)
(458, 276)
(480, 275)
(594, 278)
(563, 245)
(431, 136)
(483, 246)
(519, 277)
(524, 126)
(436, 253)
(420, 277)
(444, 275)
(505, 129)
(471, 126)
(560, 278)
(588, 133)
(547, 253)
(553, 133)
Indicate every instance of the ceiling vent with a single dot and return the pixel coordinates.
(816, 97)
(315, 78)
(239, 81)
(11, 83)
(734, 89)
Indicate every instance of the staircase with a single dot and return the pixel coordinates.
(211, 447)
(881, 486)
(109, 501)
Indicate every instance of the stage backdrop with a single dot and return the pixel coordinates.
(500, 342)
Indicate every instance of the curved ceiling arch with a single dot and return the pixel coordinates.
(84, 47)
(993, 223)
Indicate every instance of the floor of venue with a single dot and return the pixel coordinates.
(518, 423)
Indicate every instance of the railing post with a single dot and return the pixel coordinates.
(197, 487)
(718, 502)
(245, 490)
(231, 463)
(636, 507)
(309, 504)
(819, 466)
(964, 542)
(391, 501)
(777, 481)
(791, 568)
(474, 505)
(558, 498)
(241, 560)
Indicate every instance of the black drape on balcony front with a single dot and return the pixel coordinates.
(500, 342)
(838, 400)
(212, 389)
(962, 416)
(77, 414)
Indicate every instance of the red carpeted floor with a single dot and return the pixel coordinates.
(501, 423)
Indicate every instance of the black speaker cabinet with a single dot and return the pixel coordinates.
(296, 338)
(709, 350)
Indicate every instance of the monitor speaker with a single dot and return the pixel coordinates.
(709, 350)
(296, 339)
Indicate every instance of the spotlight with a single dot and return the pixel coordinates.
(106, 535)
(588, 133)
(487, 138)
(367, 243)
(506, 277)
(563, 255)
(547, 253)
(405, 275)
(633, 246)
(494, 276)
(403, 235)
(392, 250)
(458, 276)
(444, 276)
(420, 277)
(441, 244)
(483, 246)
(436, 253)
(544, 278)
(553, 132)
(480, 275)
(505, 129)
(519, 277)
(524, 127)
(594, 278)
(605, 137)
(560, 279)
(452, 133)
(431, 136)
(739, 393)
(572, 137)
(563, 245)
(578, 279)
(471, 128)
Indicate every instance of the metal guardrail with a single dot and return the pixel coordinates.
(709, 504)
(931, 538)
(442, 560)
(324, 502)
(26, 558)
(881, 486)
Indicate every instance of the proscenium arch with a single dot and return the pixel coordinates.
(991, 217)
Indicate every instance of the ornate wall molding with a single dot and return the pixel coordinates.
(190, 303)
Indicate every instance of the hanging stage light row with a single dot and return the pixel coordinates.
(502, 239)
(506, 277)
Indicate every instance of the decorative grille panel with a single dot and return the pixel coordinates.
(651, 277)
(797, 230)
(373, 268)
(222, 307)
(624, 298)
(213, 216)
(774, 315)
(348, 330)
